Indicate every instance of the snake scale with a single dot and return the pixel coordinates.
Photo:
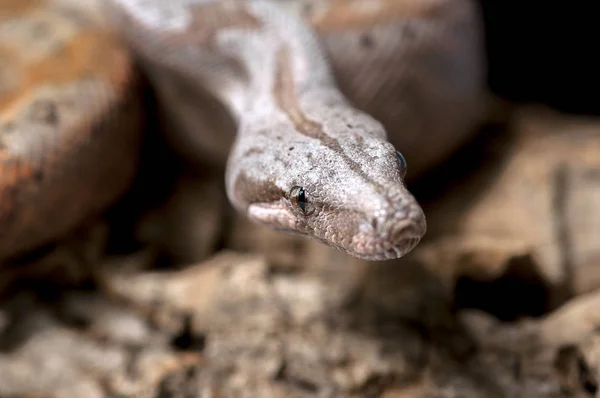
(326, 95)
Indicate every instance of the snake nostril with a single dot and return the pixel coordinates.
(374, 223)
(398, 234)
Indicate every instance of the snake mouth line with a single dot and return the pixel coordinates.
(390, 253)
(374, 249)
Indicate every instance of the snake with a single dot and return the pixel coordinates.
(331, 100)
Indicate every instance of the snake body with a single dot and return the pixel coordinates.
(307, 157)
(69, 121)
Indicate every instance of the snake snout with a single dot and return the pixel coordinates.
(390, 236)
(405, 234)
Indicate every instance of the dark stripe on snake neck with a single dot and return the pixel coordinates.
(285, 98)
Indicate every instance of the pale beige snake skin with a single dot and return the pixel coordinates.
(70, 119)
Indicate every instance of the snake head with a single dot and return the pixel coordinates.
(339, 182)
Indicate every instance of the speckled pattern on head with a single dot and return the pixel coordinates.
(304, 161)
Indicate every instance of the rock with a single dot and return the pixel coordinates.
(530, 208)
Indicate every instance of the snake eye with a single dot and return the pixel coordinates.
(401, 164)
(298, 197)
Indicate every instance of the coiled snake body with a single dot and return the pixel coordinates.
(310, 85)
